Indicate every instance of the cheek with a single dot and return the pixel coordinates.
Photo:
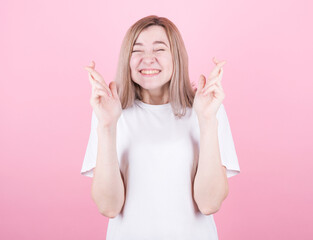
(167, 61)
(133, 62)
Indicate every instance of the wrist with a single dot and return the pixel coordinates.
(208, 123)
(101, 128)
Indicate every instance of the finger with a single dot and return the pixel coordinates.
(214, 79)
(210, 89)
(92, 64)
(97, 93)
(95, 84)
(103, 83)
(113, 88)
(217, 91)
(221, 73)
(220, 77)
(216, 69)
(99, 78)
(91, 80)
(96, 75)
(212, 82)
(201, 82)
(215, 60)
(103, 93)
(98, 85)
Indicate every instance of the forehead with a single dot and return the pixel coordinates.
(152, 34)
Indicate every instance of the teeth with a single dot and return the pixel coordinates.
(150, 71)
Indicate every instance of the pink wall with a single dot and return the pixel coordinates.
(45, 110)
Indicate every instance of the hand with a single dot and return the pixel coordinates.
(104, 99)
(209, 94)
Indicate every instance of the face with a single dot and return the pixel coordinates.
(151, 60)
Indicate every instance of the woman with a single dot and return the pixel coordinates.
(159, 152)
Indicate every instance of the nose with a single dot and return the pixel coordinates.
(149, 57)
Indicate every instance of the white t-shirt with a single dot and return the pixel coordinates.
(158, 155)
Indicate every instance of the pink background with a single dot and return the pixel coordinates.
(45, 110)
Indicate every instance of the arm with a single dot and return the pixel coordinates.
(107, 185)
(210, 184)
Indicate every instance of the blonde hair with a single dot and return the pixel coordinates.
(181, 92)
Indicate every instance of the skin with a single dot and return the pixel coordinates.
(108, 190)
(210, 183)
(152, 55)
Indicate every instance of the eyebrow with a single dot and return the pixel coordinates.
(155, 42)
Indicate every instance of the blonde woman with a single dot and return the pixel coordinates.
(160, 151)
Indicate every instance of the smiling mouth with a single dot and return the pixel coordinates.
(149, 73)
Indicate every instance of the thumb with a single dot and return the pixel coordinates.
(201, 83)
(113, 89)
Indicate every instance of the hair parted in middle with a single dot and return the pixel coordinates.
(181, 92)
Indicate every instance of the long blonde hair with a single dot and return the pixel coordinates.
(181, 92)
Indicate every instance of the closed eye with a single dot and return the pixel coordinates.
(141, 51)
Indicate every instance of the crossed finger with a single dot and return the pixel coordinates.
(217, 72)
(95, 74)
(96, 84)
(214, 81)
(217, 68)
(96, 80)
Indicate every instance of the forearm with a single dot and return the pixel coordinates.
(210, 184)
(107, 185)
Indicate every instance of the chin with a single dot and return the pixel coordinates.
(150, 83)
(148, 86)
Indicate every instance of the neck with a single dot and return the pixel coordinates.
(155, 97)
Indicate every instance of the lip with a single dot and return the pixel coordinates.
(149, 69)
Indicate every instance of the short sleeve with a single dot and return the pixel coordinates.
(92, 148)
(227, 147)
